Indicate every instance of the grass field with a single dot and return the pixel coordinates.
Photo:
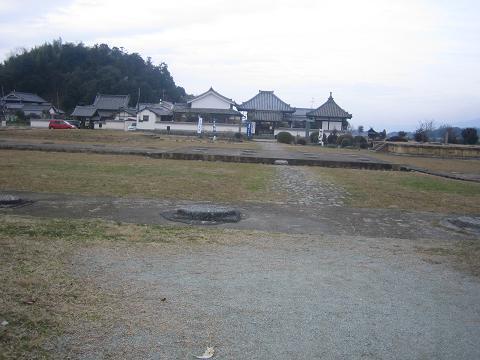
(471, 166)
(133, 176)
(117, 138)
(403, 190)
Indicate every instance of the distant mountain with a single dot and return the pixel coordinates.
(73, 74)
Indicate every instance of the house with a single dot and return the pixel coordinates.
(34, 107)
(329, 116)
(268, 112)
(214, 109)
(108, 111)
(151, 116)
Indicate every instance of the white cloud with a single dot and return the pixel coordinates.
(378, 56)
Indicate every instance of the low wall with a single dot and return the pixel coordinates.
(437, 150)
(39, 123)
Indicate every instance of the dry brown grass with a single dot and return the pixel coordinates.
(117, 138)
(409, 191)
(114, 175)
(470, 166)
(42, 296)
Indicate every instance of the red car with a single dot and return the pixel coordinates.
(60, 124)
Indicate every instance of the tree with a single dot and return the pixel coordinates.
(360, 129)
(402, 134)
(77, 73)
(470, 136)
(424, 131)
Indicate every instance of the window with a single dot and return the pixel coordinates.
(145, 118)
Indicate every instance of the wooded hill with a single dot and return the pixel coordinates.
(70, 74)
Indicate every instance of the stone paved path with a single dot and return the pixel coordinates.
(305, 189)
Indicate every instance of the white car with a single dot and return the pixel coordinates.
(132, 127)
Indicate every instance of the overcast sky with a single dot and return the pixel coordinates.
(390, 63)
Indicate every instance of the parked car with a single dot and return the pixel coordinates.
(60, 124)
(76, 123)
(132, 127)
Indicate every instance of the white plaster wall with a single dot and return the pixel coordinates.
(210, 101)
(294, 132)
(39, 123)
(146, 125)
(115, 125)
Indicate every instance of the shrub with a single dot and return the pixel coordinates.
(346, 142)
(397, 139)
(360, 141)
(301, 141)
(420, 135)
(285, 137)
(238, 136)
(314, 137)
(345, 136)
(332, 138)
(470, 136)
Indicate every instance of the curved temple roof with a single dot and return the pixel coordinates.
(265, 101)
(330, 110)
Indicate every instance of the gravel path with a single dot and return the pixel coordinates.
(303, 189)
(278, 297)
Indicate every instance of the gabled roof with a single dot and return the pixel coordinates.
(330, 110)
(214, 93)
(111, 102)
(265, 101)
(84, 111)
(23, 97)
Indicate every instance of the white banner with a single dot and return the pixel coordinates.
(200, 125)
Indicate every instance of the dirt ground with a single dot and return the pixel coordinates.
(304, 275)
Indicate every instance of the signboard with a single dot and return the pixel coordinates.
(200, 125)
(249, 129)
(214, 128)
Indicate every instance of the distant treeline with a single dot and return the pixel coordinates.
(70, 74)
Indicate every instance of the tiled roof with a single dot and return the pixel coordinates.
(23, 97)
(330, 110)
(265, 101)
(161, 111)
(111, 102)
(187, 110)
(84, 111)
(211, 91)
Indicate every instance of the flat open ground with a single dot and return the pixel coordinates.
(325, 263)
(470, 166)
(116, 138)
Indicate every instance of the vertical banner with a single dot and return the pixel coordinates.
(320, 136)
(249, 129)
(200, 125)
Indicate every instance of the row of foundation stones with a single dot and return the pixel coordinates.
(210, 214)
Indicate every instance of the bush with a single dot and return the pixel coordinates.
(345, 136)
(346, 142)
(238, 136)
(360, 141)
(285, 137)
(470, 136)
(314, 137)
(302, 141)
(332, 138)
(420, 136)
(397, 139)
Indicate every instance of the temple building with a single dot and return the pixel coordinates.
(329, 117)
(268, 112)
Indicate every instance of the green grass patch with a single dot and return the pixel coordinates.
(402, 190)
